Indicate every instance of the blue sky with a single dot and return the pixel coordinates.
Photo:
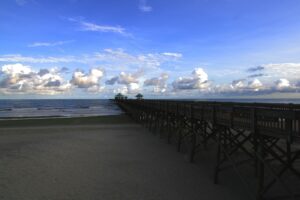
(163, 49)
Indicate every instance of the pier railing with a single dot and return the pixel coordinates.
(266, 135)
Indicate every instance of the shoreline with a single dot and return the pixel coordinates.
(53, 121)
(55, 117)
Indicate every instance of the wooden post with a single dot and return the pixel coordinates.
(193, 136)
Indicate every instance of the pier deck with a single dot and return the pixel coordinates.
(256, 137)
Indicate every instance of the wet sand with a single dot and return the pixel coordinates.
(105, 161)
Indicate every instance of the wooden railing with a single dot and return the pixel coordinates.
(278, 120)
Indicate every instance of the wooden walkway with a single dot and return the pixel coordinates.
(264, 138)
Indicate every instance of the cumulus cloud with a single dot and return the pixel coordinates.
(282, 83)
(87, 80)
(255, 85)
(198, 80)
(274, 76)
(236, 84)
(243, 86)
(158, 83)
(125, 78)
(131, 88)
(127, 82)
(19, 78)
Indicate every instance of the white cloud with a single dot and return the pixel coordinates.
(82, 80)
(159, 83)
(274, 78)
(49, 44)
(27, 59)
(123, 90)
(198, 80)
(131, 88)
(18, 78)
(15, 69)
(242, 86)
(23, 79)
(238, 84)
(125, 78)
(276, 71)
(255, 85)
(111, 57)
(282, 83)
(127, 83)
(121, 57)
(172, 54)
(88, 26)
(144, 7)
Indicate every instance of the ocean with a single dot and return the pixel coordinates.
(85, 107)
(57, 108)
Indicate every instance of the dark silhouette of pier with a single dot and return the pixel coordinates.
(260, 142)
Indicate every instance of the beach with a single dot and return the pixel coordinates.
(108, 157)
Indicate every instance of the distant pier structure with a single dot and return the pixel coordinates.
(259, 141)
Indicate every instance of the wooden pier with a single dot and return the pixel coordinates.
(263, 138)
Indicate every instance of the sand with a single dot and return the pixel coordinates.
(105, 161)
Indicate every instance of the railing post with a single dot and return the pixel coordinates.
(193, 136)
(179, 129)
(259, 155)
(168, 124)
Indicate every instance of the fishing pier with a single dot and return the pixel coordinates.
(260, 142)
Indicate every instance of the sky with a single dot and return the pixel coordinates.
(160, 48)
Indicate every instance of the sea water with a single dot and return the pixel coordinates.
(86, 107)
(57, 108)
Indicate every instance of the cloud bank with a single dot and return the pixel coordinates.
(18, 78)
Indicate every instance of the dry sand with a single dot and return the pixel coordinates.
(104, 162)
